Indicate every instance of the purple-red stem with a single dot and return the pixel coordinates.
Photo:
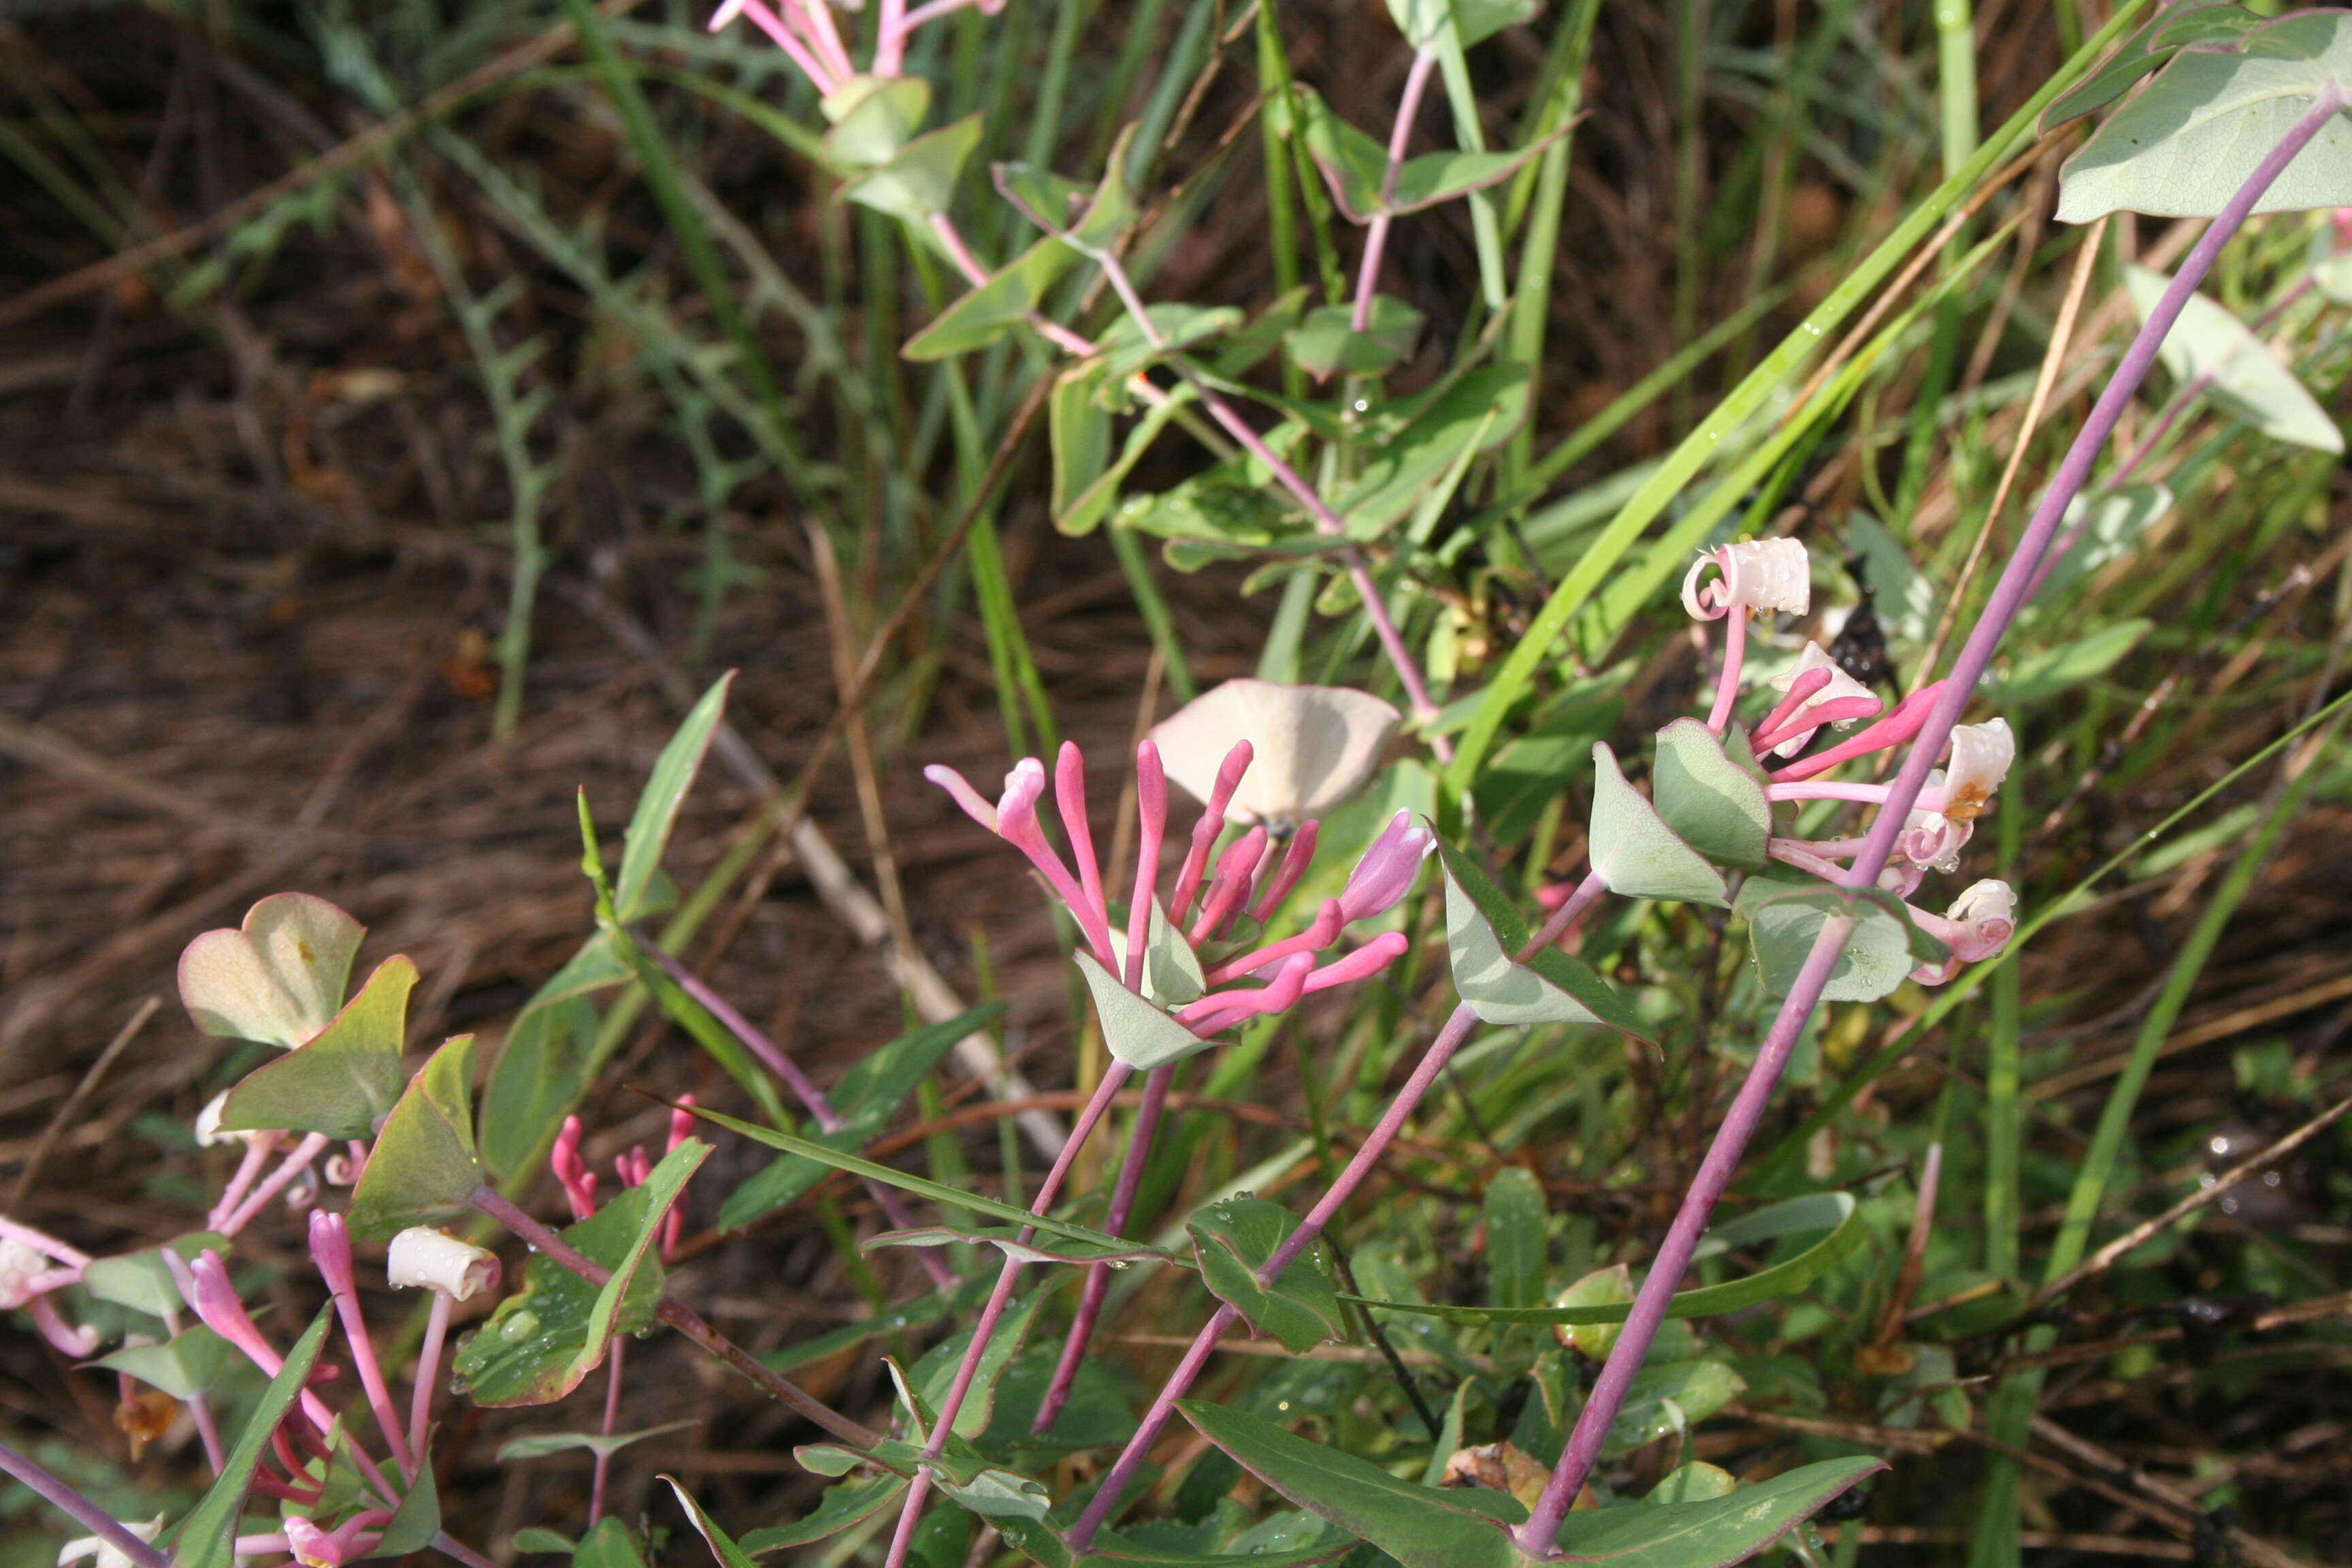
(684, 1318)
(1123, 1207)
(999, 1298)
(1366, 1158)
(1376, 233)
(611, 1414)
(811, 1098)
(84, 1512)
(1739, 1124)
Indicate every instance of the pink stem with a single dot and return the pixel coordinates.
(958, 251)
(1097, 1287)
(784, 38)
(815, 19)
(1726, 685)
(428, 1373)
(1791, 852)
(1376, 234)
(612, 1413)
(331, 1248)
(293, 1165)
(80, 1509)
(985, 1328)
(1536, 1536)
(257, 1148)
(42, 1242)
(891, 46)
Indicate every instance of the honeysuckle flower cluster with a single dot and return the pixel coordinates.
(805, 31)
(578, 1182)
(1773, 576)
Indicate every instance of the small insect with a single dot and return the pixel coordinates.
(1859, 647)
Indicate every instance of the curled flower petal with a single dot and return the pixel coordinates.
(1387, 871)
(1930, 838)
(1767, 577)
(1989, 909)
(1982, 756)
(422, 1256)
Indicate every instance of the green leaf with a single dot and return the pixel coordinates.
(722, 1545)
(991, 310)
(866, 1098)
(203, 1538)
(1633, 850)
(2053, 670)
(140, 1282)
(1421, 21)
(934, 1376)
(1087, 511)
(423, 1169)
(1476, 412)
(548, 1336)
(1037, 1541)
(1137, 1033)
(1528, 775)
(1079, 428)
(1437, 177)
(1007, 1240)
(2247, 379)
(1669, 1397)
(1482, 931)
(183, 1367)
(2192, 137)
(1420, 1527)
(344, 1079)
(1426, 1527)
(1234, 1239)
(919, 182)
(1173, 976)
(1698, 1482)
(542, 1068)
(1050, 201)
(541, 1445)
(852, 1502)
(608, 1544)
(871, 119)
(1599, 1302)
(539, 1539)
(2173, 29)
(1180, 329)
(1517, 1238)
(658, 807)
(1355, 167)
(2107, 526)
(418, 1519)
(874, 1171)
(279, 977)
(1784, 917)
(1327, 343)
(1709, 801)
(1611, 1288)
(999, 1494)
(1221, 511)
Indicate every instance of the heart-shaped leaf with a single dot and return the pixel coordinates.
(1355, 167)
(342, 1081)
(1709, 801)
(1482, 931)
(872, 117)
(1784, 917)
(1634, 851)
(2243, 376)
(182, 1367)
(2193, 136)
(1327, 342)
(142, 1280)
(1138, 1033)
(279, 977)
(540, 1444)
(608, 1544)
(1234, 1239)
(423, 1169)
(417, 1518)
(1422, 22)
(995, 308)
(919, 182)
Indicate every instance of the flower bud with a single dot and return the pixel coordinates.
(1981, 755)
(20, 1267)
(439, 1261)
(1386, 872)
(208, 1123)
(1988, 911)
(1766, 576)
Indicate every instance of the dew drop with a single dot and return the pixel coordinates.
(520, 1327)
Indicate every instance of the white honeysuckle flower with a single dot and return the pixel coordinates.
(20, 1265)
(208, 1123)
(1766, 576)
(106, 1554)
(1840, 684)
(422, 1256)
(1932, 839)
(1991, 903)
(1982, 756)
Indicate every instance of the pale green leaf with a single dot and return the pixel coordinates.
(1633, 850)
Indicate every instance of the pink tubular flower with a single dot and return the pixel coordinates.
(1387, 871)
(1819, 693)
(578, 1182)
